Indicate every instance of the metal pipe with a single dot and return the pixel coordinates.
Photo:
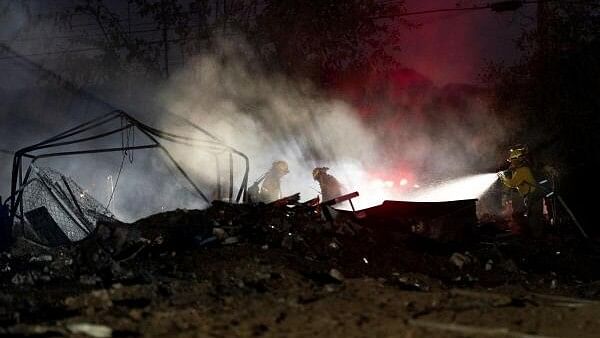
(21, 181)
(242, 191)
(564, 204)
(230, 177)
(572, 216)
(218, 166)
(72, 196)
(83, 139)
(74, 131)
(94, 151)
(65, 208)
(179, 168)
(185, 174)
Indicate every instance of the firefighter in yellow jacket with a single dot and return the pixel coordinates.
(520, 177)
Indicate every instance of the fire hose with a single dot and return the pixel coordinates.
(549, 193)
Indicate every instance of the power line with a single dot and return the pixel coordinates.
(432, 11)
(496, 6)
(53, 53)
(499, 6)
(82, 50)
(83, 35)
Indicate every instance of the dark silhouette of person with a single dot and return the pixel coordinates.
(330, 186)
(271, 186)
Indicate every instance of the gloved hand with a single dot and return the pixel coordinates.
(501, 175)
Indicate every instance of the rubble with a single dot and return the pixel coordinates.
(232, 253)
(42, 258)
(413, 282)
(91, 330)
(336, 274)
(105, 256)
(461, 260)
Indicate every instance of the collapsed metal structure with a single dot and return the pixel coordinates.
(58, 210)
(78, 212)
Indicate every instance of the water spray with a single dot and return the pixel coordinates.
(470, 187)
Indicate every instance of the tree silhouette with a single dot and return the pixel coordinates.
(310, 40)
(553, 93)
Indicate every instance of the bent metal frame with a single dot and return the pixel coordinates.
(212, 144)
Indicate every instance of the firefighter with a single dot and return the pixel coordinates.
(520, 178)
(330, 186)
(271, 186)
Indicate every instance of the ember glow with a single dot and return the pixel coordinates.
(375, 187)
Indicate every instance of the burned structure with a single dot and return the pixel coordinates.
(59, 211)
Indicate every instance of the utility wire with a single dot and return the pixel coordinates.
(80, 36)
(82, 50)
(52, 53)
(492, 6)
(387, 16)
(433, 11)
(498, 6)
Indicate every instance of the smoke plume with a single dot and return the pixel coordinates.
(415, 136)
(267, 117)
(404, 146)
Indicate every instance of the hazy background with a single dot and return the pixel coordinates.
(385, 134)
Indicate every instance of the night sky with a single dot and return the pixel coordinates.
(447, 47)
(452, 47)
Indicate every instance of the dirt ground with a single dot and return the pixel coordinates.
(245, 291)
(254, 288)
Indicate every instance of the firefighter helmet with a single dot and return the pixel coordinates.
(281, 166)
(517, 153)
(318, 171)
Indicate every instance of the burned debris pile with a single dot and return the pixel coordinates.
(283, 255)
(172, 244)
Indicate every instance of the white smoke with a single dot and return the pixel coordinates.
(269, 118)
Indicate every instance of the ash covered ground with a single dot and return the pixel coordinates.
(277, 270)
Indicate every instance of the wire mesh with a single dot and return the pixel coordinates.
(70, 206)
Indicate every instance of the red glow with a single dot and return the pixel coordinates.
(393, 180)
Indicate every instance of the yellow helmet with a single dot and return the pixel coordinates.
(281, 166)
(517, 152)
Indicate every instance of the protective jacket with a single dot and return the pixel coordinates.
(521, 179)
(330, 187)
(271, 188)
